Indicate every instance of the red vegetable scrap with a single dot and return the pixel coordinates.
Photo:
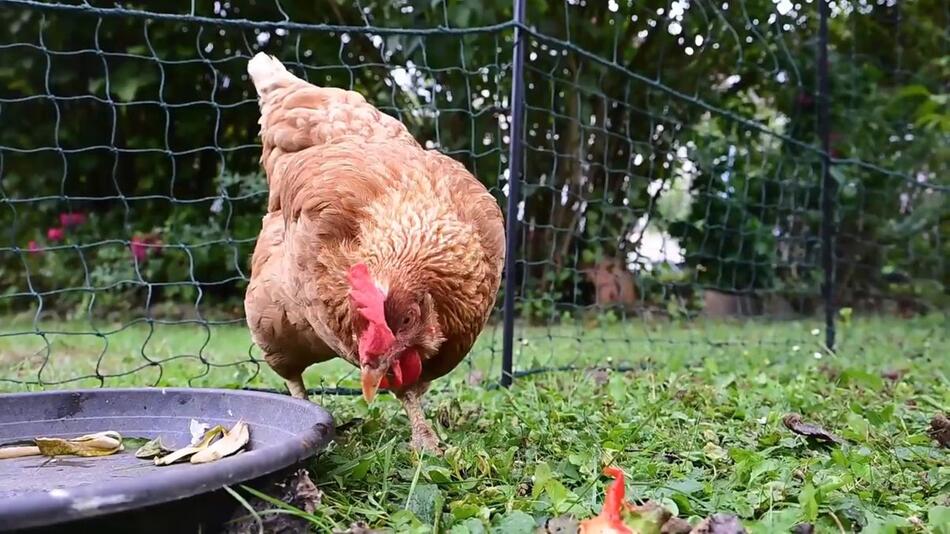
(621, 517)
(610, 521)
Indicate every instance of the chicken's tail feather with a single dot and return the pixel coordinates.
(267, 72)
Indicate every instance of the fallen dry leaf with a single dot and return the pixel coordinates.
(352, 423)
(671, 457)
(892, 374)
(940, 429)
(294, 488)
(559, 525)
(306, 493)
(650, 516)
(151, 449)
(719, 524)
(233, 441)
(475, 377)
(676, 525)
(359, 528)
(793, 422)
(715, 452)
(600, 376)
(98, 444)
(832, 373)
(523, 489)
(803, 528)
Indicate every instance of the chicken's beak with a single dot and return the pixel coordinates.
(371, 379)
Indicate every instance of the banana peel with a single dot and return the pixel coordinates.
(214, 444)
(8, 453)
(98, 444)
(186, 452)
(232, 442)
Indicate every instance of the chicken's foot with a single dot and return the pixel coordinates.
(424, 437)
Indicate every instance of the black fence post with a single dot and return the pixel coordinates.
(515, 160)
(828, 184)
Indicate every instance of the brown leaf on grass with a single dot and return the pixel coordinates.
(671, 457)
(289, 487)
(653, 513)
(803, 528)
(475, 377)
(351, 424)
(676, 525)
(306, 494)
(600, 376)
(449, 414)
(523, 489)
(793, 422)
(559, 525)
(940, 429)
(719, 524)
(892, 374)
(359, 528)
(833, 373)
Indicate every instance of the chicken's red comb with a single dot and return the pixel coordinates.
(368, 298)
(369, 301)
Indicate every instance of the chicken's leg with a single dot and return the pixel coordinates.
(291, 373)
(297, 389)
(423, 437)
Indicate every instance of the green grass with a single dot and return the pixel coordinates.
(695, 422)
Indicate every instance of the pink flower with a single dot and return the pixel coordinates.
(55, 234)
(139, 248)
(67, 220)
(145, 246)
(34, 247)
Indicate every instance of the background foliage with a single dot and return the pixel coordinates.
(678, 136)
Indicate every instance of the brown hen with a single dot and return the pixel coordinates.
(372, 249)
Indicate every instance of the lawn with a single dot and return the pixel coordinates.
(692, 412)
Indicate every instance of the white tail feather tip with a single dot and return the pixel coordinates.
(265, 69)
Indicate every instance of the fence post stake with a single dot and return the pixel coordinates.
(828, 184)
(515, 160)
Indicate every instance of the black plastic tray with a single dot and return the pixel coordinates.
(38, 492)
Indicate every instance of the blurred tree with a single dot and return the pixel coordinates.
(642, 138)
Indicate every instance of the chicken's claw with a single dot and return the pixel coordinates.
(425, 440)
